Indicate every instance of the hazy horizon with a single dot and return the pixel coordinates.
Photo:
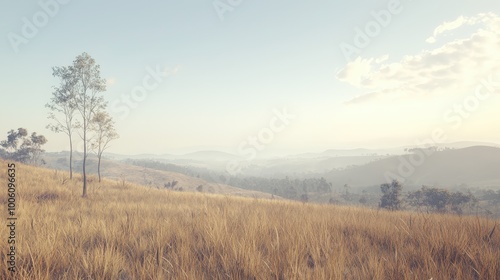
(271, 153)
(231, 139)
(293, 76)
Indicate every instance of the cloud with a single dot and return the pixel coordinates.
(456, 64)
(356, 71)
(447, 26)
(461, 21)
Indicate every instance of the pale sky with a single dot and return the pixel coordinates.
(187, 75)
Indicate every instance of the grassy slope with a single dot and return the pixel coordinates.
(126, 231)
(156, 178)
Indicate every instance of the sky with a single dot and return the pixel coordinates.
(251, 77)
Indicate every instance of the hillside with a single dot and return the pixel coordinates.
(476, 166)
(127, 231)
(150, 177)
(304, 166)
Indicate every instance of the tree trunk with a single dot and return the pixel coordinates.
(84, 160)
(99, 167)
(84, 177)
(70, 158)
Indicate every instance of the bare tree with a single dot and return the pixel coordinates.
(62, 104)
(103, 126)
(87, 83)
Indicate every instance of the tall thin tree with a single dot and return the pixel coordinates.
(104, 128)
(87, 83)
(61, 103)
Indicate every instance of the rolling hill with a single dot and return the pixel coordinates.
(116, 170)
(477, 166)
(129, 231)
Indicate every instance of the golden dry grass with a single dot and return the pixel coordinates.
(134, 232)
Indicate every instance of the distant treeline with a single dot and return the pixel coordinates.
(164, 166)
(429, 199)
(284, 187)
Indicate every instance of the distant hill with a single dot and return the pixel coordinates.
(112, 169)
(305, 166)
(340, 153)
(208, 156)
(477, 166)
(129, 231)
(463, 144)
(343, 153)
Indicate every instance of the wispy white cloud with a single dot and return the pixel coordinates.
(455, 64)
(448, 26)
(459, 22)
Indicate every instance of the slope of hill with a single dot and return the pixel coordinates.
(475, 166)
(151, 177)
(127, 231)
(158, 178)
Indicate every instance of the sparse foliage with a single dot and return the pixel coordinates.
(103, 126)
(363, 200)
(22, 147)
(62, 108)
(347, 194)
(439, 200)
(391, 195)
(13, 137)
(458, 200)
(170, 185)
(84, 82)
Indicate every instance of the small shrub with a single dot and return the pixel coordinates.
(47, 196)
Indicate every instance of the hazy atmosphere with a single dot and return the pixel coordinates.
(232, 139)
(195, 75)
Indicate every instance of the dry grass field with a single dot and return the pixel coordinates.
(126, 231)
